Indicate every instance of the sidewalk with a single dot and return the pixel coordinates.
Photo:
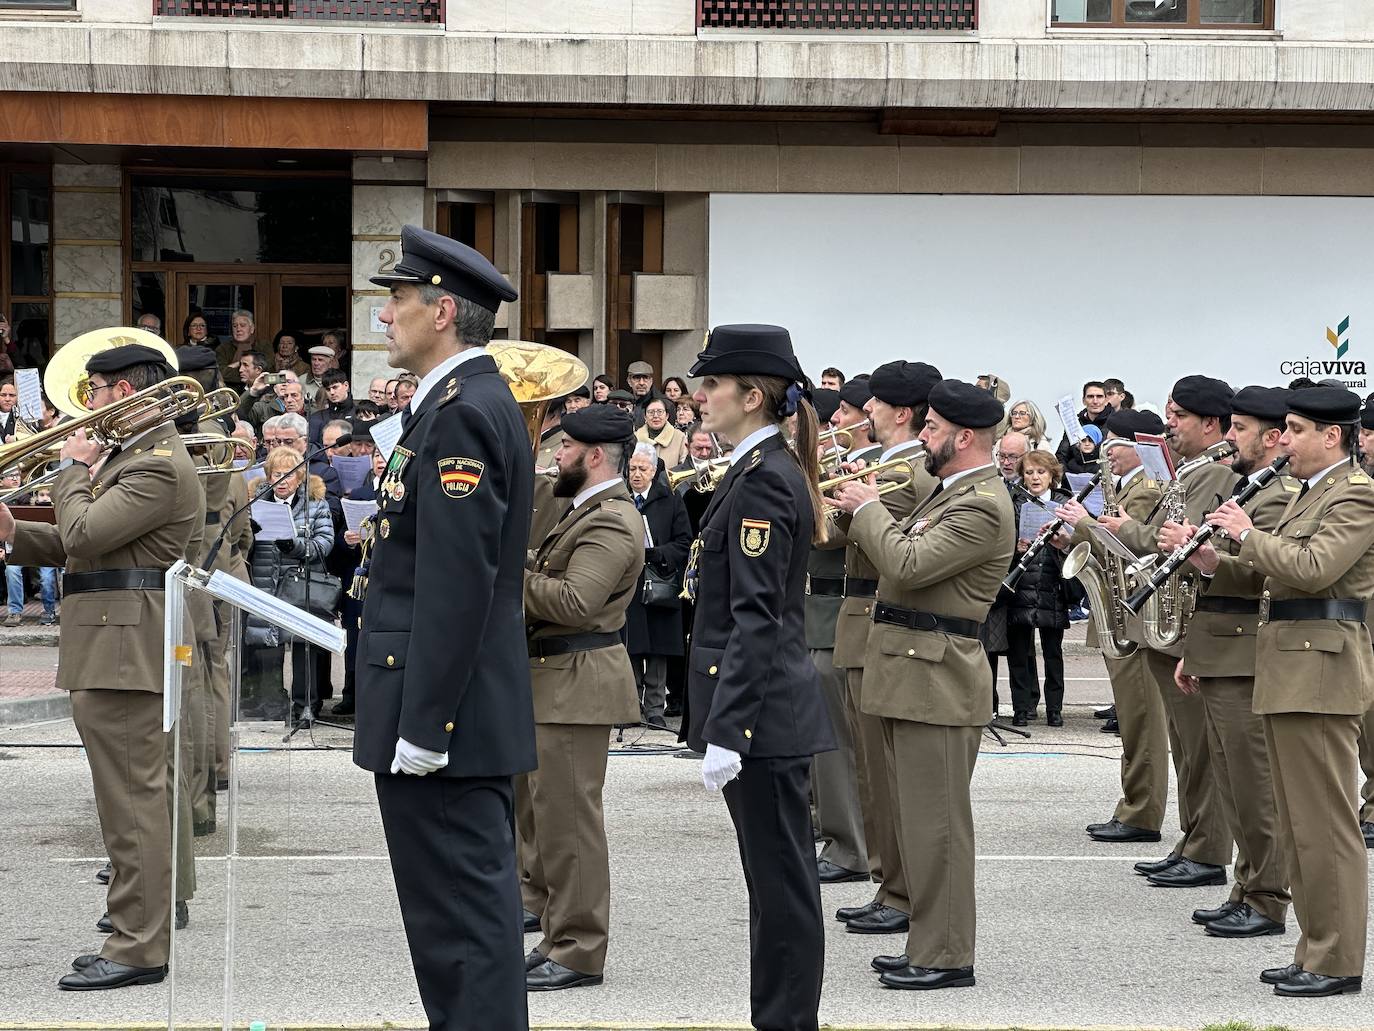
(28, 670)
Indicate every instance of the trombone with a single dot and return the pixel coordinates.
(215, 448)
(705, 474)
(887, 486)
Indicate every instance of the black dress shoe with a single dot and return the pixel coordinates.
(203, 828)
(883, 920)
(847, 913)
(103, 925)
(1307, 985)
(1115, 830)
(1367, 829)
(1244, 922)
(1112, 727)
(829, 873)
(1109, 713)
(672, 711)
(534, 959)
(343, 707)
(1278, 975)
(550, 977)
(1149, 867)
(883, 964)
(222, 784)
(1054, 719)
(104, 973)
(1188, 874)
(1018, 719)
(927, 978)
(531, 922)
(1207, 916)
(657, 723)
(82, 962)
(104, 873)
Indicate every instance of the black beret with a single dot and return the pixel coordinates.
(855, 392)
(1127, 422)
(965, 404)
(599, 424)
(194, 358)
(1325, 404)
(903, 383)
(1202, 395)
(1267, 403)
(428, 258)
(362, 429)
(748, 350)
(581, 391)
(826, 402)
(117, 359)
(1367, 417)
(620, 395)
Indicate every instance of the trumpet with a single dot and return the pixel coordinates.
(886, 487)
(215, 448)
(705, 475)
(832, 451)
(220, 402)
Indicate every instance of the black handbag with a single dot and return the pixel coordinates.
(324, 589)
(658, 591)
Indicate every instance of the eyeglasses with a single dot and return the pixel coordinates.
(279, 441)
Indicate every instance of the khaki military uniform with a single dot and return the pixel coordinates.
(1206, 837)
(1367, 767)
(1139, 707)
(585, 574)
(548, 510)
(139, 512)
(1220, 651)
(930, 688)
(851, 644)
(1314, 682)
(238, 542)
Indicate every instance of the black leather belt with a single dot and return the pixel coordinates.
(915, 620)
(211, 518)
(856, 588)
(113, 580)
(1313, 608)
(825, 586)
(1234, 606)
(541, 647)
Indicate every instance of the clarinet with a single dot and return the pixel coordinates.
(1206, 532)
(1042, 539)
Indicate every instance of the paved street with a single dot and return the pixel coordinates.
(1068, 937)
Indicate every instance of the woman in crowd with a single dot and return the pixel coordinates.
(601, 389)
(338, 340)
(669, 441)
(687, 416)
(195, 332)
(269, 563)
(675, 389)
(1041, 600)
(286, 353)
(1024, 417)
(654, 632)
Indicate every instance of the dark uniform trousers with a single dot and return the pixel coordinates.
(835, 776)
(458, 830)
(1144, 742)
(770, 809)
(877, 799)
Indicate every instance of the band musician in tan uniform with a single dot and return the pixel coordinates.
(1144, 729)
(1314, 681)
(117, 533)
(1219, 664)
(584, 575)
(926, 674)
(894, 403)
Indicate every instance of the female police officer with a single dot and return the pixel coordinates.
(754, 700)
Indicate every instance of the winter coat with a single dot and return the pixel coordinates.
(313, 542)
(671, 444)
(1042, 597)
(658, 630)
(1071, 456)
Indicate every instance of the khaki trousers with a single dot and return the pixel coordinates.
(1367, 766)
(200, 716)
(835, 777)
(875, 798)
(932, 767)
(1200, 812)
(222, 719)
(185, 885)
(1240, 764)
(127, 752)
(570, 863)
(534, 893)
(1144, 743)
(1314, 758)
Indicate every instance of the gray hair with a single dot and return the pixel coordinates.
(157, 327)
(473, 323)
(644, 449)
(244, 430)
(243, 313)
(338, 424)
(291, 421)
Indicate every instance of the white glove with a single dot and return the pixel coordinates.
(415, 760)
(719, 767)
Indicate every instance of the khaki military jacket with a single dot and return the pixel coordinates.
(1323, 547)
(238, 543)
(856, 614)
(1136, 499)
(585, 575)
(948, 558)
(548, 510)
(140, 510)
(1222, 644)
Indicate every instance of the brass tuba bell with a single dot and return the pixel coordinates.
(537, 374)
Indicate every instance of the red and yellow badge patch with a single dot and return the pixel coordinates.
(753, 536)
(459, 477)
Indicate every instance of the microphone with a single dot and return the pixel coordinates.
(340, 441)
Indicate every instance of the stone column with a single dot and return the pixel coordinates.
(87, 250)
(686, 239)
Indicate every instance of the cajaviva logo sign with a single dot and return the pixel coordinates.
(1351, 373)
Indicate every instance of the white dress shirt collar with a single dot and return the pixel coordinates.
(1312, 481)
(953, 478)
(897, 449)
(753, 440)
(596, 488)
(439, 372)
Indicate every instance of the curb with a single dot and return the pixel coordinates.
(29, 637)
(16, 712)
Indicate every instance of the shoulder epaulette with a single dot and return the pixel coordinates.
(1358, 478)
(452, 389)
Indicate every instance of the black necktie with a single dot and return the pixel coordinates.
(936, 492)
(639, 502)
(1240, 486)
(405, 417)
(1303, 491)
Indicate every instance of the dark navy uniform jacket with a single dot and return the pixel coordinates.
(752, 686)
(442, 659)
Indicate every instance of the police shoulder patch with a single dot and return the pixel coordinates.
(459, 477)
(753, 536)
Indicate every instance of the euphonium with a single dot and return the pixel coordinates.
(1105, 584)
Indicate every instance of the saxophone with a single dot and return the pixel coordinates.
(1105, 585)
(1164, 618)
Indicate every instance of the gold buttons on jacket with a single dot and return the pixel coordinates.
(1240, 629)
(867, 610)
(448, 728)
(1307, 644)
(712, 671)
(104, 619)
(748, 733)
(391, 660)
(911, 651)
(542, 660)
(1266, 593)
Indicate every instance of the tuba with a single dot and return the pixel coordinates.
(1105, 582)
(537, 374)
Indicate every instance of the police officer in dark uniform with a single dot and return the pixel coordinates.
(754, 701)
(444, 716)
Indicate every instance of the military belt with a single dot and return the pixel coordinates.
(1312, 608)
(114, 580)
(825, 586)
(914, 619)
(856, 588)
(211, 518)
(542, 647)
(1222, 603)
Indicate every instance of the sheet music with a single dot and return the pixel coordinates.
(356, 511)
(30, 389)
(1094, 501)
(1067, 409)
(291, 619)
(1112, 543)
(1155, 459)
(1033, 520)
(385, 434)
(274, 520)
(352, 470)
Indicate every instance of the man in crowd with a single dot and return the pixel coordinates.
(1115, 391)
(9, 410)
(831, 379)
(321, 361)
(405, 390)
(151, 323)
(1010, 450)
(335, 402)
(251, 366)
(640, 376)
(376, 392)
(261, 401)
(1093, 413)
(243, 337)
